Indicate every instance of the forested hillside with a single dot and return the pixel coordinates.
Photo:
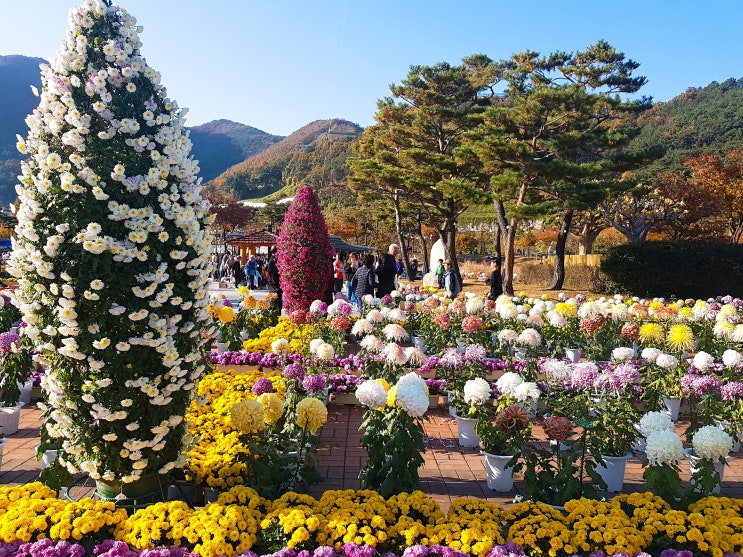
(220, 144)
(700, 120)
(314, 154)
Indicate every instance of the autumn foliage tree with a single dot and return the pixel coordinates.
(304, 252)
(722, 178)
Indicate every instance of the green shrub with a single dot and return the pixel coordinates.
(682, 269)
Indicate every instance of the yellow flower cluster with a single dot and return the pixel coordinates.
(295, 517)
(311, 414)
(727, 515)
(297, 335)
(247, 416)
(694, 531)
(31, 512)
(360, 517)
(472, 526)
(212, 531)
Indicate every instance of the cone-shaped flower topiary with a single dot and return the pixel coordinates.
(111, 252)
(304, 252)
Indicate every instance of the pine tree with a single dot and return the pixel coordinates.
(112, 252)
(304, 252)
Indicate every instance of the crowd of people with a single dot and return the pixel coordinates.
(354, 275)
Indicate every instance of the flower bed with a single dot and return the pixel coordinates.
(362, 523)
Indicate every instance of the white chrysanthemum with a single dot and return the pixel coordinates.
(535, 320)
(529, 337)
(508, 382)
(619, 312)
(723, 330)
(474, 305)
(362, 327)
(622, 354)
(508, 336)
(664, 447)
(528, 390)
(650, 354)
(702, 360)
(279, 346)
(340, 307)
(374, 316)
(397, 315)
(557, 371)
(666, 361)
(412, 395)
(372, 344)
(395, 332)
(477, 391)
(315, 306)
(394, 354)
(732, 358)
(371, 394)
(712, 443)
(325, 352)
(655, 421)
(315, 343)
(556, 319)
(737, 335)
(415, 356)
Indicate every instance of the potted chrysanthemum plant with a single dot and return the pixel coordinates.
(501, 440)
(111, 255)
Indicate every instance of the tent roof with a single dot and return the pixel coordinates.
(341, 245)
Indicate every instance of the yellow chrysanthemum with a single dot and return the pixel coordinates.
(227, 314)
(273, 407)
(392, 396)
(247, 416)
(568, 310)
(679, 338)
(651, 333)
(311, 414)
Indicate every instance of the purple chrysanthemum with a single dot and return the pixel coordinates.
(315, 383)
(732, 390)
(295, 372)
(263, 385)
(700, 385)
(6, 340)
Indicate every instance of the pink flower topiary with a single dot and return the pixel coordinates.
(304, 252)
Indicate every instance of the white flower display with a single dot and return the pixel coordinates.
(280, 346)
(374, 316)
(508, 382)
(474, 305)
(395, 332)
(394, 354)
(712, 443)
(415, 357)
(664, 447)
(412, 394)
(372, 344)
(371, 394)
(622, 354)
(529, 337)
(655, 421)
(528, 390)
(650, 354)
(476, 391)
(325, 352)
(732, 358)
(557, 371)
(396, 315)
(111, 230)
(702, 360)
(666, 361)
(508, 336)
(362, 327)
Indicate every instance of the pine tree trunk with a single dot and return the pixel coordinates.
(558, 278)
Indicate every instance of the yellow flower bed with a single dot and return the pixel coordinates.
(298, 336)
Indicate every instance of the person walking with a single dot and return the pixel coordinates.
(273, 281)
(250, 271)
(452, 286)
(237, 271)
(338, 273)
(387, 271)
(364, 280)
(349, 270)
(495, 281)
(440, 273)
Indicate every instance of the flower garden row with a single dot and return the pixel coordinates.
(34, 522)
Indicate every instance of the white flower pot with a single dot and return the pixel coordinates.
(719, 468)
(3, 442)
(639, 444)
(499, 477)
(25, 389)
(419, 343)
(520, 354)
(10, 419)
(573, 354)
(466, 432)
(673, 405)
(612, 471)
(47, 456)
(221, 347)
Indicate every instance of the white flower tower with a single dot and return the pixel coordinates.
(111, 253)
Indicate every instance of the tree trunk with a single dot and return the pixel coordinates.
(398, 229)
(424, 247)
(449, 235)
(558, 278)
(503, 232)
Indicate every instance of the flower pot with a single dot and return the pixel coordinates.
(25, 392)
(450, 401)
(673, 405)
(10, 419)
(221, 347)
(520, 354)
(461, 345)
(612, 471)
(466, 432)
(499, 477)
(639, 444)
(434, 400)
(3, 442)
(48, 456)
(573, 354)
(693, 467)
(420, 343)
(346, 398)
(147, 489)
(211, 495)
(189, 493)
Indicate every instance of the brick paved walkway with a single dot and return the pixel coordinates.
(449, 470)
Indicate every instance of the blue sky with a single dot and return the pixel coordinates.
(278, 65)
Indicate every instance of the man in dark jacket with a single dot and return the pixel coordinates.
(387, 271)
(273, 276)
